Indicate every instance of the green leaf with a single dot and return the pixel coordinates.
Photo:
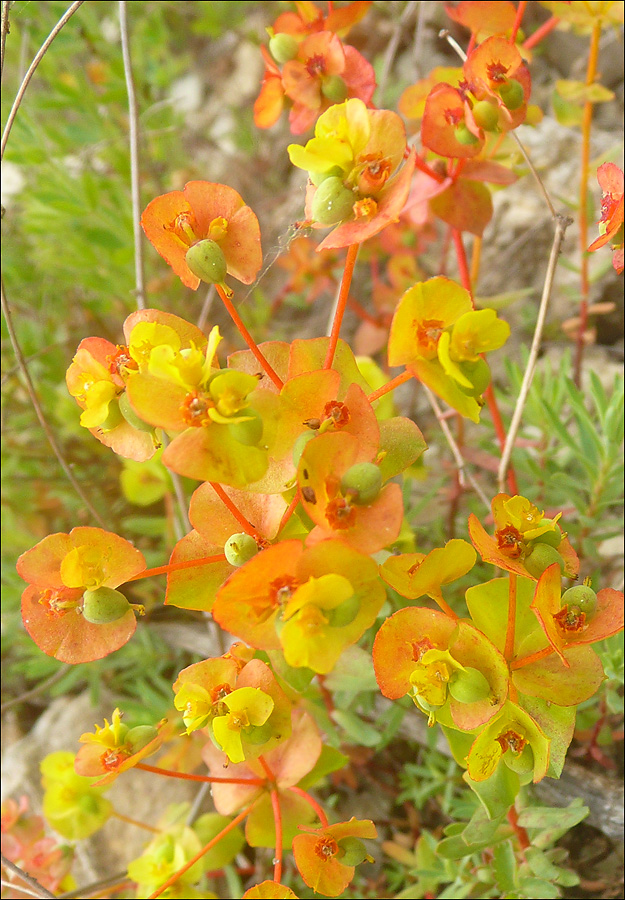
(505, 867)
(330, 760)
(542, 817)
(543, 867)
(536, 887)
(499, 792)
(358, 731)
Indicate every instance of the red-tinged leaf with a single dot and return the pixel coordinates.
(155, 220)
(558, 723)
(230, 798)
(488, 607)
(390, 204)
(275, 352)
(195, 588)
(246, 605)
(444, 112)
(341, 20)
(303, 398)
(401, 444)
(68, 637)
(484, 19)
(486, 170)
(465, 205)
(188, 333)
(293, 759)
(269, 104)
(550, 680)
(473, 649)
(570, 557)
(412, 101)
(309, 356)
(269, 890)
(212, 454)
(314, 856)
(487, 547)
(260, 826)
(157, 401)
(413, 575)
(398, 642)
(211, 517)
(126, 441)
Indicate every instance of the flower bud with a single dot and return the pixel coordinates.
(332, 202)
(334, 88)
(540, 558)
(469, 686)
(464, 136)
(300, 442)
(352, 852)
(139, 736)
(283, 47)
(207, 262)
(486, 115)
(583, 597)
(250, 432)
(344, 613)
(512, 94)
(130, 415)
(240, 548)
(362, 482)
(104, 605)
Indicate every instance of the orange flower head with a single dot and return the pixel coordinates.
(204, 231)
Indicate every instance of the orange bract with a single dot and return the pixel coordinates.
(204, 211)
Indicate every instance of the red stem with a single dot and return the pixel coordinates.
(423, 166)
(520, 832)
(173, 567)
(174, 878)
(210, 779)
(289, 511)
(247, 337)
(277, 818)
(517, 22)
(326, 695)
(390, 385)
(463, 265)
(350, 262)
(541, 33)
(510, 630)
(236, 512)
(312, 802)
(532, 658)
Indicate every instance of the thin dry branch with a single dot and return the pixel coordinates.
(34, 398)
(133, 135)
(31, 71)
(38, 889)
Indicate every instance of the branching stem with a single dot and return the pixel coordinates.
(249, 340)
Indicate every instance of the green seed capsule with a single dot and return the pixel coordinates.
(522, 762)
(344, 613)
(332, 202)
(541, 557)
(512, 94)
(139, 736)
(582, 596)
(130, 415)
(104, 605)
(469, 686)
(248, 433)
(240, 548)
(464, 136)
(334, 88)
(486, 115)
(283, 47)
(552, 538)
(352, 852)
(207, 262)
(317, 177)
(362, 482)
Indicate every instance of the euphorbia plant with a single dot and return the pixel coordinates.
(298, 522)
